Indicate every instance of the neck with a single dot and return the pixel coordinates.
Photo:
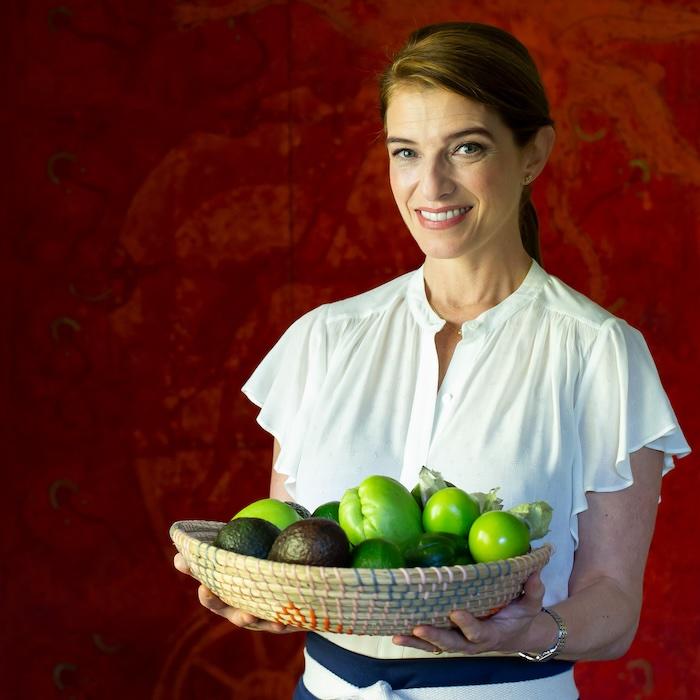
(460, 289)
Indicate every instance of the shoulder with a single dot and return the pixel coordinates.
(596, 331)
(373, 301)
(559, 298)
(329, 319)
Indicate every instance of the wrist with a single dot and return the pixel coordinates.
(557, 633)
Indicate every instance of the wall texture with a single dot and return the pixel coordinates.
(187, 178)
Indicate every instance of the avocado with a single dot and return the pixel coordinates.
(313, 541)
(303, 512)
(431, 549)
(461, 546)
(250, 536)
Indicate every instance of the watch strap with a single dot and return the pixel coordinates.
(556, 648)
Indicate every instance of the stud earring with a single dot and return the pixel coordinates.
(528, 179)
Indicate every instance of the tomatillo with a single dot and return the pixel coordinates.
(498, 534)
(450, 510)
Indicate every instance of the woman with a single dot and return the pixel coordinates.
(483, 366)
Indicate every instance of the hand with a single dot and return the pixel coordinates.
(501, 632)
(233, 615)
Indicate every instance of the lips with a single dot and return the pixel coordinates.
(442, 218)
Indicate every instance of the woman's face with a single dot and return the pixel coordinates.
(455, 172)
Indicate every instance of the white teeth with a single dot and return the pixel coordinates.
(444, 215)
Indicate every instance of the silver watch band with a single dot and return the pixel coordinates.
(556, 648)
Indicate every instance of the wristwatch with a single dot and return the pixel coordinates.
(562, 632)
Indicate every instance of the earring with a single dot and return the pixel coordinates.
(528, 179)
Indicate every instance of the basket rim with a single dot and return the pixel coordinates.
(181, 533)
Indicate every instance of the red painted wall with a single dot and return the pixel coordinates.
(186, 179)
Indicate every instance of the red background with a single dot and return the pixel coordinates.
(186, 179)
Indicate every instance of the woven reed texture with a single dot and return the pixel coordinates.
(347, 600)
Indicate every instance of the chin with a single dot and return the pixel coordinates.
(441, 251)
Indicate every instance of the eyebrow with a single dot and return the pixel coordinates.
(456, 135)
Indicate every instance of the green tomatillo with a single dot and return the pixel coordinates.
(450, 510)
(498, 534)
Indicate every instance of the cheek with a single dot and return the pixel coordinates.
(493, 183)
(401, 181)
(403, 176)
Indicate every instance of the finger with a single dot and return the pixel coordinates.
(180, 564)
(240, 618)
(413, 642)
(473, 630)
(209, 600)
(533, 593)
(453, 640)
(217, 606)
(237, 617)
(534, 586)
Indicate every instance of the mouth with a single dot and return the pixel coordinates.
(442, 218)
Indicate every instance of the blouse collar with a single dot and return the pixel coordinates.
(487, 320)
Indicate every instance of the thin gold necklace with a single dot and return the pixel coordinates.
(457, 329)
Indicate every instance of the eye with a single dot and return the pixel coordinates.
(403, 153)
(469, 149)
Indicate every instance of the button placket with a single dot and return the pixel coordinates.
(453, 385)
(422, 412)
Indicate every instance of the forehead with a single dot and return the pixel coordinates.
(416, 111)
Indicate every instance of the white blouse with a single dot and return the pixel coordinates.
(546, 396)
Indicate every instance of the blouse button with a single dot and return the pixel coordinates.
(447, 398)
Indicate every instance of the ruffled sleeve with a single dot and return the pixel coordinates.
(285, 384)
(621, 407)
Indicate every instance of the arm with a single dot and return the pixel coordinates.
(277, 489)
(216, 605)
(606, 582)
(605, 588)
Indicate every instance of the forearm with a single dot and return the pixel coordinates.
(601, 620)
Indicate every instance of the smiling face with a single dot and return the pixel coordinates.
(456, 173)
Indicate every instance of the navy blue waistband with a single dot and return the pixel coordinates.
(363, 670)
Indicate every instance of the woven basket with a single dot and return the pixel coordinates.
(347, 600)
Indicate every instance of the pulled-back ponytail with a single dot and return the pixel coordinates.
(486, 64)
(529, 226)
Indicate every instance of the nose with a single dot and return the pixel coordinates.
(436, 180)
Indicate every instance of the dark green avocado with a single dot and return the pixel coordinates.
(303, 512)
(250, 536)
(313, 541)
(431, 549)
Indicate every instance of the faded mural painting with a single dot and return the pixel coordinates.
(190, 177)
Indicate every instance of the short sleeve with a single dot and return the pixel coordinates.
(621, 407)
(285, 385)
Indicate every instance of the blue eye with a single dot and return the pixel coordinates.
(403, 153)
(462, 149)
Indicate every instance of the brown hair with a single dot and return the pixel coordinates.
(486, 64)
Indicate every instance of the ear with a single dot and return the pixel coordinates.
(538, 150)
